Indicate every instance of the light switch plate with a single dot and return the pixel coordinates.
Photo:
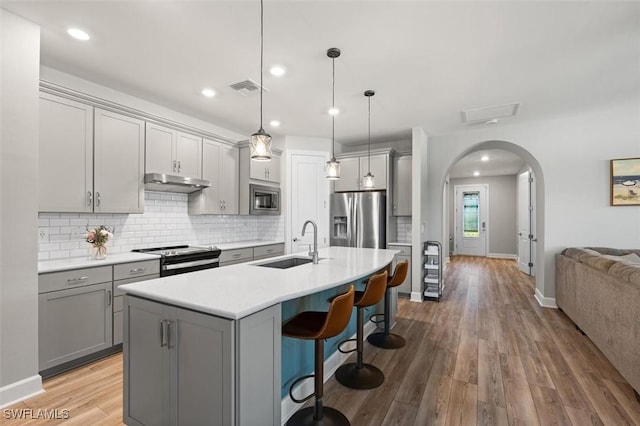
(43, 235)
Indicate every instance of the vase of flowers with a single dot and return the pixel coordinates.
(98, 238)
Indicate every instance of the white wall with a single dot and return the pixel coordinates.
(573, 154)
(420, 204)
(20, 53)
(503, 211)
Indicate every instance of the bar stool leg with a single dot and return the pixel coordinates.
(359, 375)
(386, 340)
(318, 414)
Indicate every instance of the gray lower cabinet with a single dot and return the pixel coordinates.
(405, 254)
(264, 252)
(188, 368)
(241, 255)
(127, 273)
(74, 322)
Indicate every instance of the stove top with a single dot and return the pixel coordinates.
(176, 250)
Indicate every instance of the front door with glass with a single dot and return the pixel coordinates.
(471, 220)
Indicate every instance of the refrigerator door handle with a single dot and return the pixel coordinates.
(355, 232)
(349, 221)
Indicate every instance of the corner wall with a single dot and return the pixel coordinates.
(20, 56)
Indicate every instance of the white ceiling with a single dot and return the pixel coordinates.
(500, 163)
(427, 61)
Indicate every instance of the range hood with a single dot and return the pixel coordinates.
(173, 183)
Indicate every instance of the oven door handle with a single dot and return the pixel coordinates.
(190, 264)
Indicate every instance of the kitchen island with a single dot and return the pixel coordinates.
(206, 346)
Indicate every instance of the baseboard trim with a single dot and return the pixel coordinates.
(545, 302)
(416, 296)
(20, 390)
(331, 364)
(502, 256)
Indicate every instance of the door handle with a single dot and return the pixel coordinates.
(108, 297)
(164, 333)
(296, 239)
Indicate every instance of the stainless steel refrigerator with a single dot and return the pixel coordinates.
(358, 219)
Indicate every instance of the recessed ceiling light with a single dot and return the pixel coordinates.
(334, 111)
(492, 121)
(476, 173)
(78, 34)
(485, 158)
(274, 123)
(209, 93)
(277, 70)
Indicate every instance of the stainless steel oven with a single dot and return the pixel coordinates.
(264, 199)
(182, 259)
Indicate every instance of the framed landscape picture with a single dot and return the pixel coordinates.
(625, 182)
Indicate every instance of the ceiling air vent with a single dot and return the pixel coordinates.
(247, 87)
(489, 113)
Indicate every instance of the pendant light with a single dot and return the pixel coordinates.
(333, 165)
(368, 182)
(260, 142)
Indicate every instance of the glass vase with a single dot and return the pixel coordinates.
(99, 252)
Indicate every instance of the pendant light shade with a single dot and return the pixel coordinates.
(260, 142)
(368, 181)
(333, 165)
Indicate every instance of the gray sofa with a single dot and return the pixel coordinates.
(599, 289)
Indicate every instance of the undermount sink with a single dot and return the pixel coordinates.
(289, 262)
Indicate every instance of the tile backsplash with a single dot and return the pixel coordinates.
(403, 229)
(165, 221)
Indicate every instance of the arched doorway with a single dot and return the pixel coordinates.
(536, 170)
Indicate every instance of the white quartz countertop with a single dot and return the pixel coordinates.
(395, 243)
(86, 262)
(240, 290)
(244, 244)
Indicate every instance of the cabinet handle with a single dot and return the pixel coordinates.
(137, 270)
(220, 205)
(164, 333)
(175, 166)
(236, 255)
(224, 205)
(89, 198)
(179, 166)
(97, 199)
(73, 281)
(108, 297)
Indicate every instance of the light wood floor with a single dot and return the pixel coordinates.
(487, 355)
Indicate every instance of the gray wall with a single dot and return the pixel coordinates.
(20, 52)
(503, 211)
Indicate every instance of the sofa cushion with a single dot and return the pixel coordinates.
(601, 263)
(627, 271)
(579, 253)
(631, 258)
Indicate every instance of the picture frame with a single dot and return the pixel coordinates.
(625, 182)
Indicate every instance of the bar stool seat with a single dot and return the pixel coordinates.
(359, 375)
(386, 339)
(317, 326)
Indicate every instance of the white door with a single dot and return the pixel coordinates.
(524, 223)
(532, 200)
(471, 219)
(309, 199)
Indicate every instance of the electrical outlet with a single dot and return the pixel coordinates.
(43, 235)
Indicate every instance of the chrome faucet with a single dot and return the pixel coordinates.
(314, 253)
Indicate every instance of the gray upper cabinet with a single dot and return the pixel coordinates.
(353, 169)
(402, 186)
(118, 163)
(65, 181)
(91, 160)
(220, 167)
(171, 152)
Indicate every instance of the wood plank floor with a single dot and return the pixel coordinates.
(486, 355)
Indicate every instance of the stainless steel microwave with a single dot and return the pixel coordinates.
(264, 199)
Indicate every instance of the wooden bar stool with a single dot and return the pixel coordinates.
(358, 375)
(317, 326)
(385, 339)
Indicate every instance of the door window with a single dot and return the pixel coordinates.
(470, 214)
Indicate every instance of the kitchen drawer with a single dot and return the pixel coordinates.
(236, 255)
(75, 278)
(271, 250)
(116, 284)
(404, 250)
(136, 269)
